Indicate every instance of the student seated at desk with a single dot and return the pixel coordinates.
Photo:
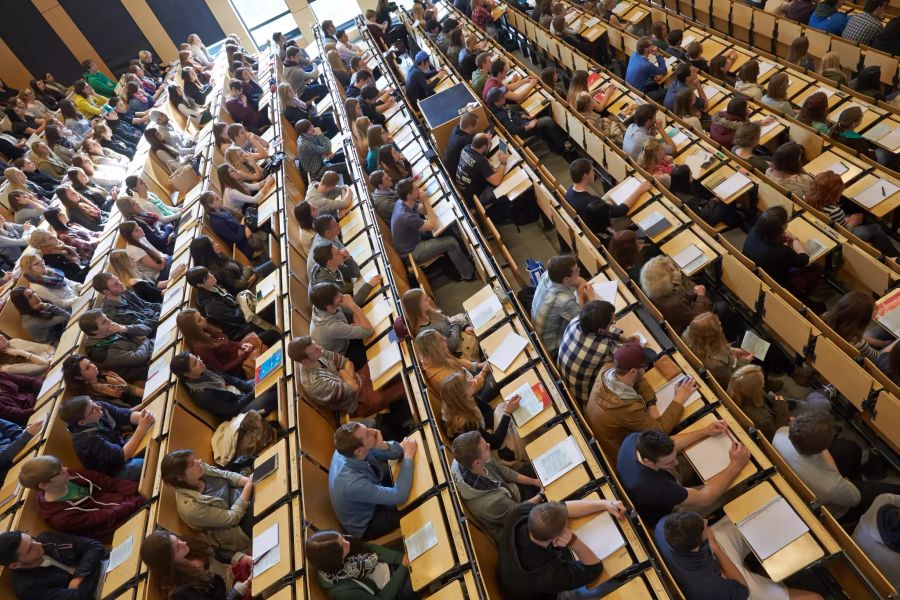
(515, 91)
(437, 364)
(878, 535)
(229, 226)
(236, 358)
(125, 349)
(359, 480)
(780, 254)
(644, 466)
(123, 306)
(673, 293)
(686, 77)
(347, 567)
(150, 262)
(825, 195)
(96, 430)
(255, 147)
(596, 212)
(314, 152)
(328, 195)
(643, 127)
(481, 73)
(829, 466)
(654, 160)
(694, 56)
(850, 317)
(83, 377)
(230, 274)
(787, 168)
(22, 357)
(538, 551)
(374, 104)
(49, 283)
(726, 122)
(180, 568)
(621, 402)
(43, 322)
(413, 221)
(330, 380)
(221, 394)
(383, 194)
(216, 503)
(18, 394)
(329, 260)
(328, 233)
(768, 411)
(224, 311)
(53, 566)
(560, 292)
(517, 122)
(422, 314)
(476, 177)
(747, 80)
(462, 136)
(83, 240)
(642, 73)
(705, 338)
(588, 343)
(338, 324)
(707, 561)
(490, 490)
(700, 200)
(305, 213)
(13, 438)
(417, 76)
(863, 27)
(80, 501)
(630, 253)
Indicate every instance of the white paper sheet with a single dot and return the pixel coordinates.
(839, 168)
(624, 190)
(730, 186)
(765, 67)
(764, 129)
(813, 248)
(557, 461)
(601, 535)
(381, 310)
(710, 91)
(591, 22)
(484, 312)
(687, 256)
(687, 40)
(507, 351)
(710, 455)
(772, 527)
(120, 553)
(696, 161)
(607, 291)
(266, 561)
(621, 7)
(755, 345)
(529, 404)
(891, 140)
(678, 136)
(384, 360)
(876, 193)
(265, 541)
(421, 541)
(876, 132)
(666, 394)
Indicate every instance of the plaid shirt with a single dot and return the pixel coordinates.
(862, 28)
(553, 307)
(581, 355)
(311, 152)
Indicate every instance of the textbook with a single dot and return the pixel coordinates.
(269, 365)
(887, 312)
(533, 399)
(772, 527)
(558, 460)
(876, 193)
(654, 224)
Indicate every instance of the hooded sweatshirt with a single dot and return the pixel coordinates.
(128, 354)
(492, 506)
(99, 445)
(108, 504)
(616, 409)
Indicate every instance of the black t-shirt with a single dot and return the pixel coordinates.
(593, 210)
(654, 493)
(370, 110)
(775, 259)
(530, 572)
(459, 139)
(472, 173)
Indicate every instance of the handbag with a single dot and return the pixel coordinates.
(468, 346)
(273, 163)
(184, 179)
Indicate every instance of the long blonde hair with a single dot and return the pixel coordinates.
(411, 301)
(122, 266)
(704, 336)
(831, 61)
(334, 59)
(458, 410)
(649, 158)
(432, 351)
(360, 131)
(746, 386)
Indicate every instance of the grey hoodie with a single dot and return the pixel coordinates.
(490, 508)
(125, 353)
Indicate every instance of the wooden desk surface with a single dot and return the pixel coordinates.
(682, 241)
(829, 158)
(635, 589)
(631, 324)
(883, 208)
(275, 486)
(423, 478)
(834, 97)
(135, 528)
(438, 559)
(159, 374)
(565, 486)
(282, 516)
(805, 231)
(390, 373)
(792, 558)
(870, 113)
(454, 590)
(624, 297)
(709, 156)
(721, 174)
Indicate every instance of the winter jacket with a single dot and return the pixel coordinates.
(216, 520)
(615, 410)
(50, 582)
(363, 589)
(224, 312)
(128, 354)
(109, 503)
(223, 404)
(98, 446)
(17, 395)
(490, 509)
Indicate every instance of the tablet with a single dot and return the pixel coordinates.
(265, 469)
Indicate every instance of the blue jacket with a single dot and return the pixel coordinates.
(833, 23)
(99, 446)
(229, 230)
(50, 583)
(356, 486)
(641, 71)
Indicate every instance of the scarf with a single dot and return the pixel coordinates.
(356, 566)
(207, 381)
(478, 482)
(52, 278)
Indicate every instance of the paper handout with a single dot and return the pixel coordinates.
(557, 461)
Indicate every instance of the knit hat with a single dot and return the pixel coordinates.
(630, 356)
(421, 56)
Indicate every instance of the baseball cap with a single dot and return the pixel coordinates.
(421, 56)
(630, 356)
(495, 94)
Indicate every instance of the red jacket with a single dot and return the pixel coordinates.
(227, 357)
(109, 504)
(17, 395)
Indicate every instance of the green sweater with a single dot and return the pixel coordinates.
(101, 84)
(352, 589)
